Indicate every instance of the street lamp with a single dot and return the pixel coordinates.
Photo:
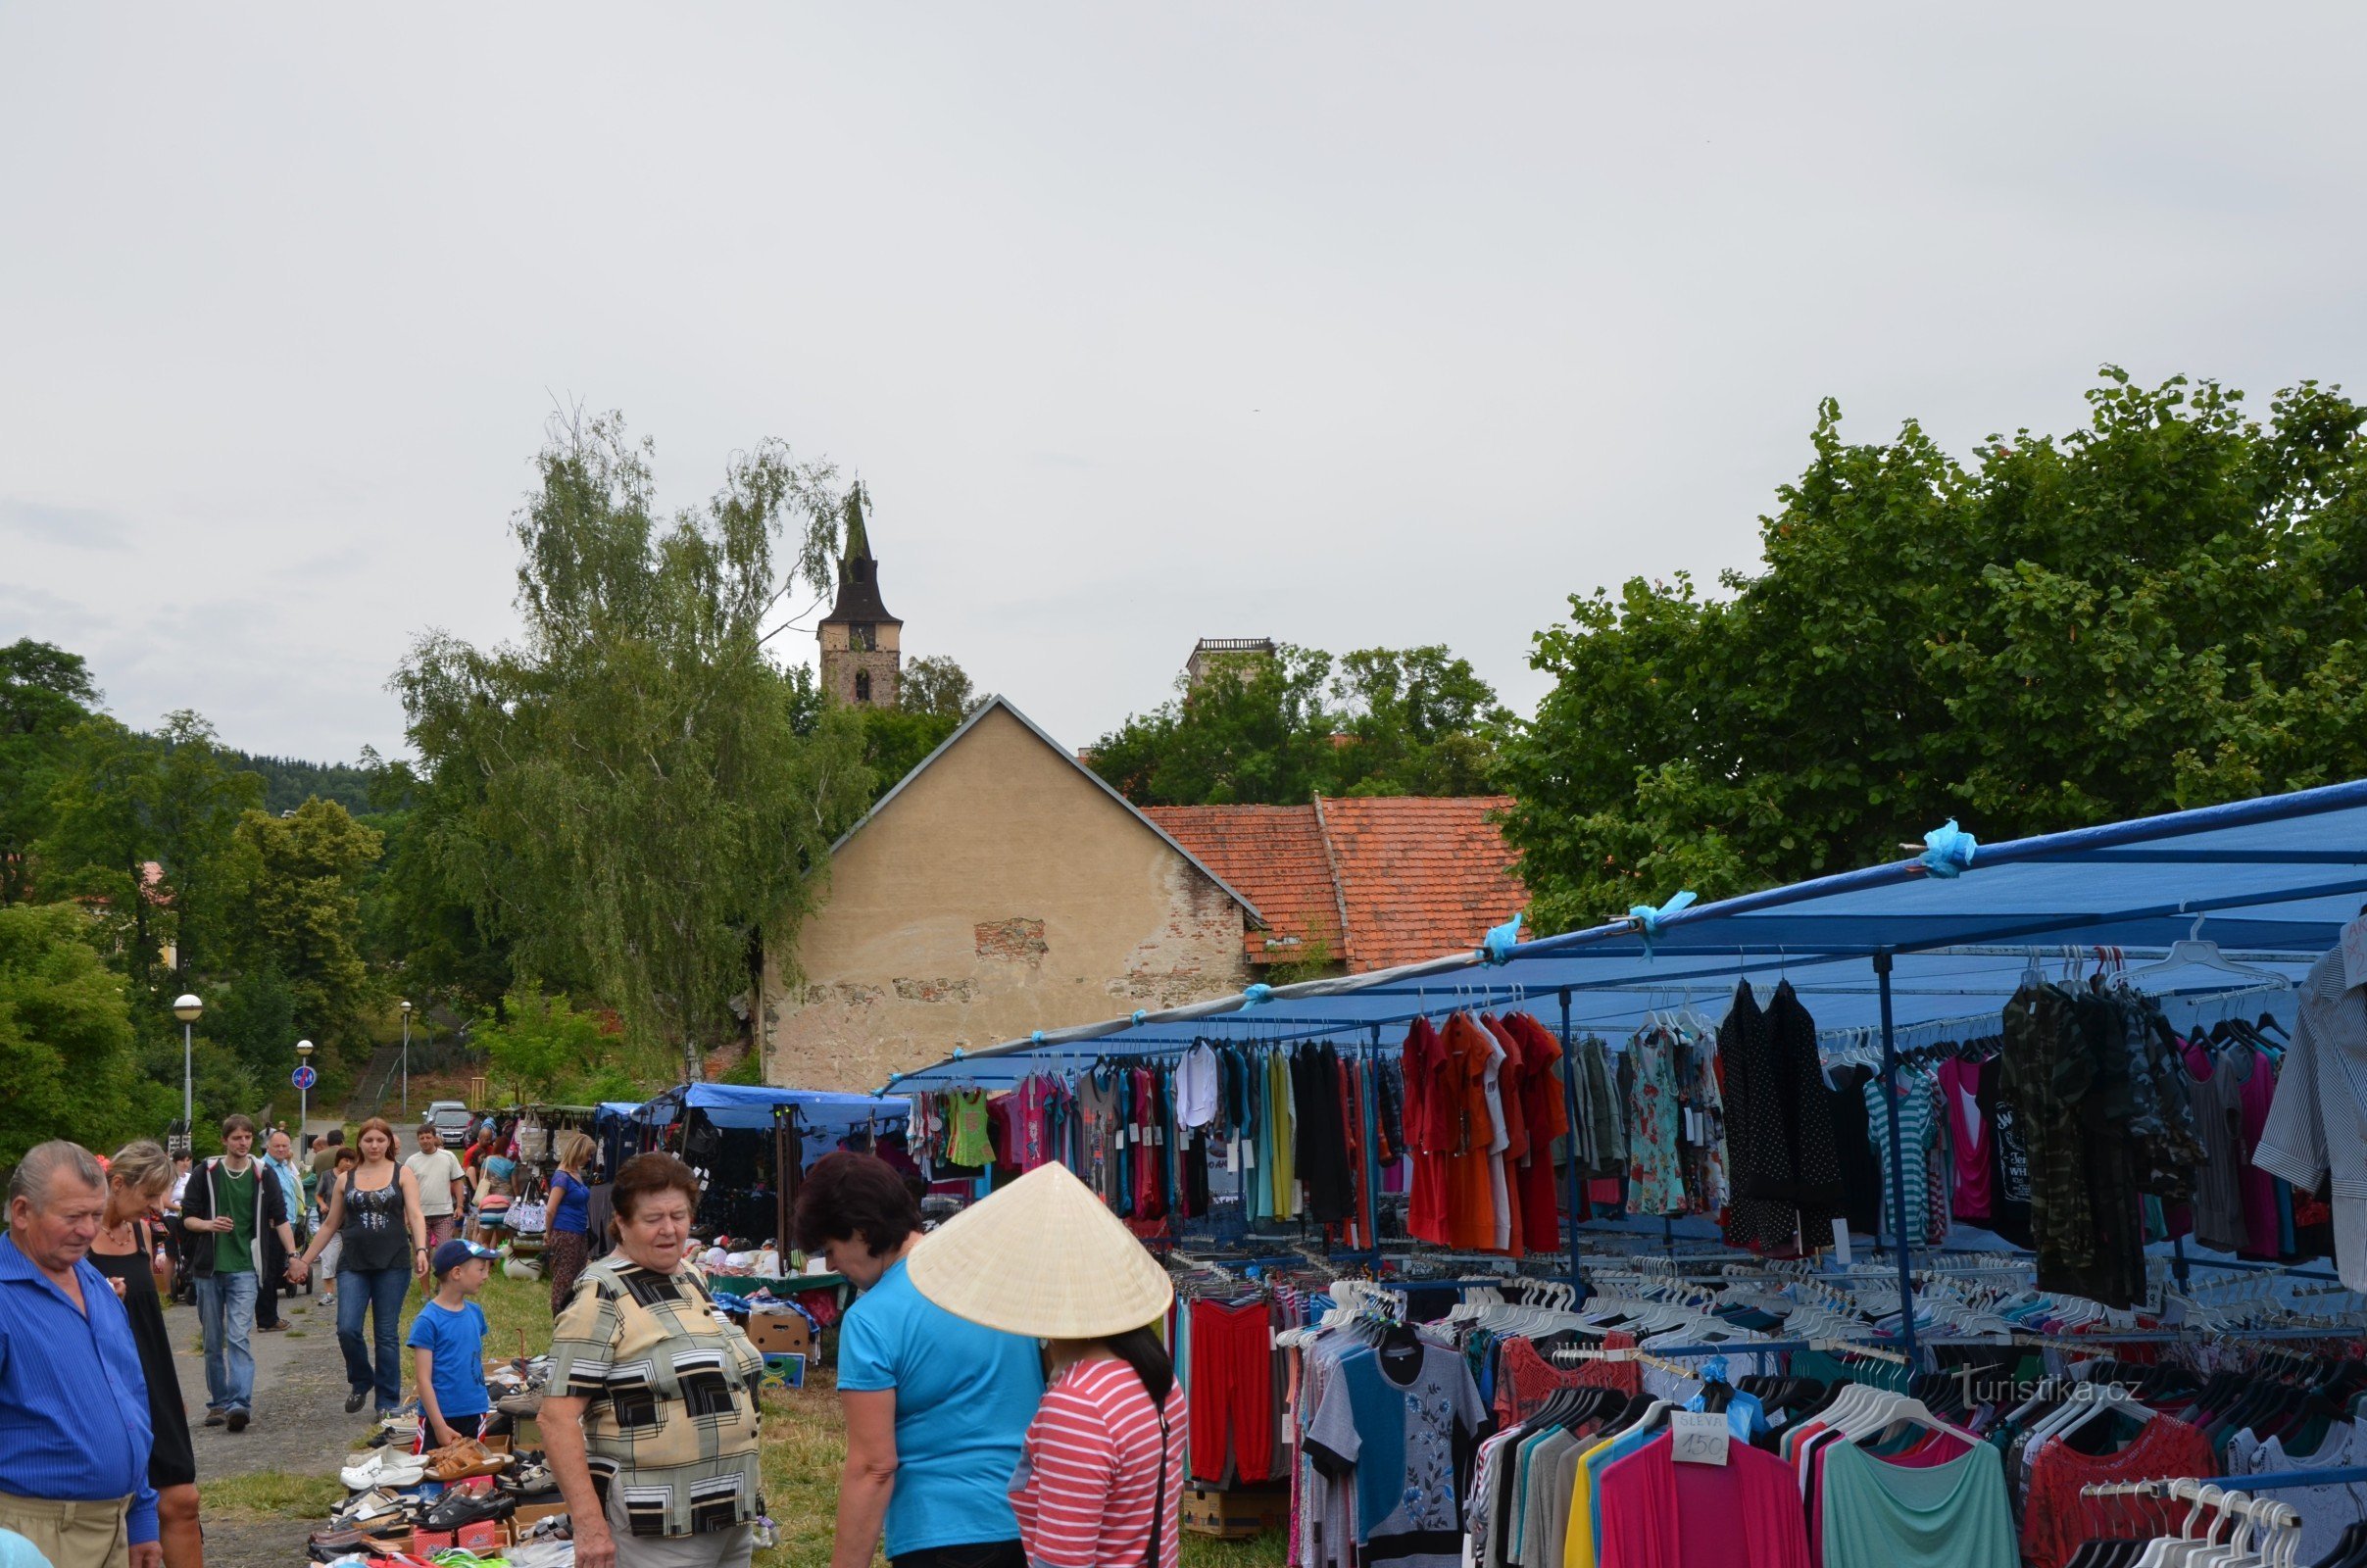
(186, 1007)
(406, 1062)
(303, 1092)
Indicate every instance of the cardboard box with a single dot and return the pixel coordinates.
(530, 1514)
(781, 1334)
(428, 1542)
(526, 1434)
(1238, 1514)
(487, 1535)
(499, 1443)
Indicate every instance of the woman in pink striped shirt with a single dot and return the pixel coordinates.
(1101, 1474)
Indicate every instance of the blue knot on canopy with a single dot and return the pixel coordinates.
(1140, 1013)
(1497, 945)
(957, 1049)
(1948, 852)
(1647, 916)
(1252, 996)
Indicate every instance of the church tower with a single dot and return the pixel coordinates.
(860, 662)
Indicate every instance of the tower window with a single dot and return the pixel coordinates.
(863, 685)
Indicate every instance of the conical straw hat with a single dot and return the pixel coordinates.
(1042, 1258)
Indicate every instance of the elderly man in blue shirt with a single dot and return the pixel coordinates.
(74, 1405)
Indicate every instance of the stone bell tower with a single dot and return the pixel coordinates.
(859, 662)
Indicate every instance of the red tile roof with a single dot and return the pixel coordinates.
(1417, 878)
(1276, 856)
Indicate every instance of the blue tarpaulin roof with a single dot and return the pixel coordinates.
(746, 1107)
(2274, 878)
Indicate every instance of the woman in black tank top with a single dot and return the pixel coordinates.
(125, 1250)
(374, 1212)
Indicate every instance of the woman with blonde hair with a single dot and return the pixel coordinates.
(568, 1242)
(129, 1250)
(1101, 1475)
(373, 1211)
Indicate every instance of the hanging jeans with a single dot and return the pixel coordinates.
(378, 1292)
(226, 1317)
(1232, 1391)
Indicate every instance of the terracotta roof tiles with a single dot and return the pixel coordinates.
(1417, 878)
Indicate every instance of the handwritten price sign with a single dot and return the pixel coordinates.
(1700, 1436)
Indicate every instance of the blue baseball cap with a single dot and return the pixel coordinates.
(453, 1253)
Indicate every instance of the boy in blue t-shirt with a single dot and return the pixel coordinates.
(449, 1339)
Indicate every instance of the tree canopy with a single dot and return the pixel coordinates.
(2164, 608)
(1278, 730)
(625, 798)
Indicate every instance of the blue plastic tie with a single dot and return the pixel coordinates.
(1647, 916)
(1252, 996)
(1140, 1013)
(1948, 851)
(896, 1078)
(957, 1053)
(1497, 945)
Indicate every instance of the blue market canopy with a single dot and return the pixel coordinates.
(746, 1108)
(2271, 881)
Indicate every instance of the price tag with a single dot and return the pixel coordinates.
(1841, 1240)
(2355, 953)
(1700, 1436)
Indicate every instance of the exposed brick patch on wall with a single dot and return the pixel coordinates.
(938, 990)
(1019, 939)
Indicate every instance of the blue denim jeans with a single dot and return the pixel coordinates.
(379, 1291)
(226, 1316)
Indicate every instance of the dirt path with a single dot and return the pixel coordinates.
(300, 1425)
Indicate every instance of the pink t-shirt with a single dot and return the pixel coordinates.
(1969, 1136)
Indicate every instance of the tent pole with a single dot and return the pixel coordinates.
(1569, 1104)
(1890, 1106)
(1373, 1143)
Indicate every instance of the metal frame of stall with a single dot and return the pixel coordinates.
(2275, 879)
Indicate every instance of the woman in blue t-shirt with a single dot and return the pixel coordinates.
(936, 1407)
(567, 1242)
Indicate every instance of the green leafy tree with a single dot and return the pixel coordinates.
(542, 1050)
(129, 803)
(45, 692)
(1279, 730)
(1420, 721)
(935, 684)
(625, 797)
(303, 913)
(67, 1040)
(2165, 609)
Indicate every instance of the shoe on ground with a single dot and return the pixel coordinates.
(214, 1418)
(455, 1509)
(280, 1327)
(235, 1420)
(353, 1400)
(384, 1471)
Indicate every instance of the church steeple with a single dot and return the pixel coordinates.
(860, 660)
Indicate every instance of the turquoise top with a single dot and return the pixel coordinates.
(1879, 1515)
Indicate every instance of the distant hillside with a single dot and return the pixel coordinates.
(288, 783)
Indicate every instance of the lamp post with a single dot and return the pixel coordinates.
(303, 1092)
(186, 1007)
(406, 1062)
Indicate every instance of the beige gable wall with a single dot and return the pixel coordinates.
(999, 892)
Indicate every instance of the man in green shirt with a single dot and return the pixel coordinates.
(230, 1205)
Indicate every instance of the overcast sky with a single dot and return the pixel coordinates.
(1346, 325)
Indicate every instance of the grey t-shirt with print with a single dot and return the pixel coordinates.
(1442, 1413)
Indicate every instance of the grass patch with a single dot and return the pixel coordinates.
(271, 1494)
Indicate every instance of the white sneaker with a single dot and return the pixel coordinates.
(383, 1471)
